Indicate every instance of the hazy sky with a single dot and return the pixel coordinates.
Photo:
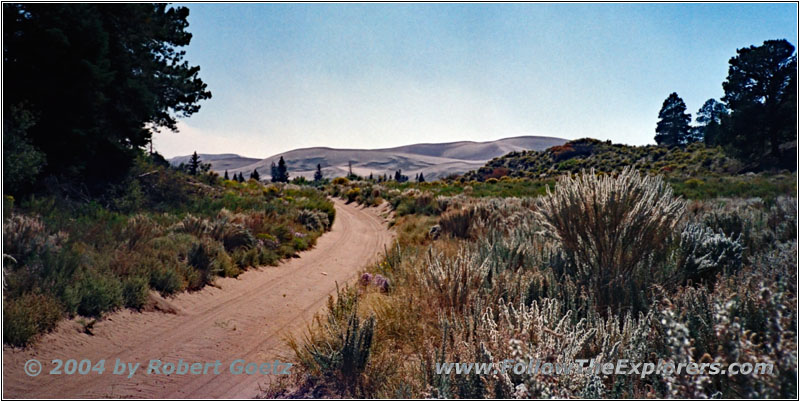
(287, 76)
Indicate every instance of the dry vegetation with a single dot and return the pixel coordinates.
(165, 231)
(601, 267)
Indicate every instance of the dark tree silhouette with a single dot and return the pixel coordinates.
(280, 173)
(760, 92)
(709, 121)
(97, 76)
(318, 174)
(194, 164)
(421, 178)
(399, 177)
(673, 128)
(255, 176)
(226, 175)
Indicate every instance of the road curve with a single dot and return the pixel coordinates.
(245, 318)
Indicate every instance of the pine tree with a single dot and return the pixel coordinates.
(709, 119)
(240, 178)
(318, 174)
(255, 176)
(761, 94)
(274, 172)
(226, 175)
(421, 178)
(194, 164)
(673, 127)
(280, 173)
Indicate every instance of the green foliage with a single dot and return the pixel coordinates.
(135, 292)
(344, 359)
(694, 160)
(22, 161)
(93, 258)
(93, 294)
(27, 316)
(118, 68)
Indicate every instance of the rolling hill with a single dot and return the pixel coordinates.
(434, 160)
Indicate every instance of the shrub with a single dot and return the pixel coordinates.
(166, 280)
(140, 228)
(94, 294)
(27, 316)
(352, 194)
(703, 253)
(456, 223)
(343, 358)
(24, 237)
(193, 225)
(233, 235)
(608, 225)
(341, 181)
(313, 220)
(135, 292)
(208, 259)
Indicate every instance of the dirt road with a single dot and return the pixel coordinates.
(244, 318)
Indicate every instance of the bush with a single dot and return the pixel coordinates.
(166, 280)
(135, 292)
(703, 253)
(456, 223)
(343, 359)
(352, 194)
(27, 316)
(313, 220)
(609, 225)
(94, 294)
(208, 259)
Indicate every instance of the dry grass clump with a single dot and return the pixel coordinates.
(610, 225)
(456, 223)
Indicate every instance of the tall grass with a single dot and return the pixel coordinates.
(702, 281)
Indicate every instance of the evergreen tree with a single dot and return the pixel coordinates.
(273, 171)
(96, 75)
(255, 176)
(194, 164)
(400, 177)
(421, 178)
(673, 125)
(240, 178)
(280, 173)
(370, 176)
(761, 94)
(709, 121)
(318, 174)
(226, 175)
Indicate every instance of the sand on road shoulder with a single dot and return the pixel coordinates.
(244, 318)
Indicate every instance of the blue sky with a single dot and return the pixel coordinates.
(287, 76)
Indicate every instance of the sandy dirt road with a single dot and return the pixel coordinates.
(245, 318)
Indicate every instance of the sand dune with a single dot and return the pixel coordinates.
(434, 160)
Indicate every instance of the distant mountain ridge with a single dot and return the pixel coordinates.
(434, 160)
